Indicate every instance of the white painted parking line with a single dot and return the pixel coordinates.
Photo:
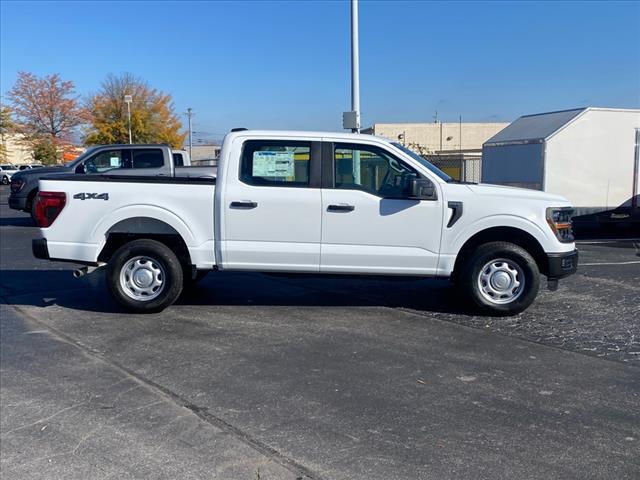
(608, 263)
(608, 240)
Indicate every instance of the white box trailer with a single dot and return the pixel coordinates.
(588, 155)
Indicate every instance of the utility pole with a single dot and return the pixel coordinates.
(351, 120)
(463, 173)
(189, 115)
(128, 99)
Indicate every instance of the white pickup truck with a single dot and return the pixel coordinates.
(309, 203)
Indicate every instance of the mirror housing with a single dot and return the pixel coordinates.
(80, 168)
(422, 189)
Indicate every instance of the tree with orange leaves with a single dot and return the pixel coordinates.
(46, 109)
(153, 119)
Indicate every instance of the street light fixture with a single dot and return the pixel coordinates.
(128, 99)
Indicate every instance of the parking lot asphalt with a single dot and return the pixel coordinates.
(267, 377)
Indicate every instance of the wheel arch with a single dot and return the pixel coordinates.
(513, 235)
(135, 228)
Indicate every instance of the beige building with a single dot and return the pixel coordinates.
(427, 138)
(204, 154)
(16, 152)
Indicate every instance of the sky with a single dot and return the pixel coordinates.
(286, 65)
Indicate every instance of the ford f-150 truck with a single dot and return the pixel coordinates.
(136, 159)
(310, 203)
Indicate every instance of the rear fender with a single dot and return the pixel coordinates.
(134, 219)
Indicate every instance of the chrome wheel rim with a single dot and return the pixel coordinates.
(142, 278)
(501, 281)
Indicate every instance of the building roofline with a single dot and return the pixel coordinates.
(552, 112)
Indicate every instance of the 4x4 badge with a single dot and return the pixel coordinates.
(91, 196)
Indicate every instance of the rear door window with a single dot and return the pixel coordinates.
(147, 158)
(275, 163)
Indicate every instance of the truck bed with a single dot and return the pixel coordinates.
(122, 204)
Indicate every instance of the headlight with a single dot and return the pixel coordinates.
(17, 185)
(559, 219)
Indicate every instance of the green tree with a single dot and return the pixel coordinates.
(153, 119)
(44, 151)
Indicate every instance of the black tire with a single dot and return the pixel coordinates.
(163, 266)
(504, 265)
(5, 180)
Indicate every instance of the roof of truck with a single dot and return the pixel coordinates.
(307, 134)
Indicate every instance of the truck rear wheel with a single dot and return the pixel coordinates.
(500, 278)
(144, 276)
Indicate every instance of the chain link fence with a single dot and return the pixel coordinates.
(466, 167)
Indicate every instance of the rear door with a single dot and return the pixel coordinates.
(271, 205)
(369, 223)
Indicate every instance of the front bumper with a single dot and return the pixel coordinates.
(562, 265)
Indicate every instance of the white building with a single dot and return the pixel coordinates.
(588, 155)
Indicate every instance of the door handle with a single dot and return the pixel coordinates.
(342, 207)
(246, 204)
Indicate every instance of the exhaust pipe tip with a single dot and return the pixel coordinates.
(80, 272)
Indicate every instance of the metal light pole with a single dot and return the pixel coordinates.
(128, 99)
(351, 120)
(355, 65)
(189, 115)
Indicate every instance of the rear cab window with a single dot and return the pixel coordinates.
(178, 161)
(275, 163)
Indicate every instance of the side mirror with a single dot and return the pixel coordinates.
(80, 169)
(422, 189)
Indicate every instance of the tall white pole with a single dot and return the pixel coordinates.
(189, 114)
(129, 121)
(355, 65)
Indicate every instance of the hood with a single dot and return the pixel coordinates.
(41, 172)
(514, 192)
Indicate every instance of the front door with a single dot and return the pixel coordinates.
(272, 216)
(369, 225)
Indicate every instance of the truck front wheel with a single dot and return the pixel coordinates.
(144, 276)
(500, 278)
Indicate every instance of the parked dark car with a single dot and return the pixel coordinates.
(622, 221)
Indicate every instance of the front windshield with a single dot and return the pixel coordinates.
(425, 163)
(79, 159)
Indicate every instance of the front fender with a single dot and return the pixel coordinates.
(547, 240)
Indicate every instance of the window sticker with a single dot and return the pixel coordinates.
(115, 161)
(273, 164)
